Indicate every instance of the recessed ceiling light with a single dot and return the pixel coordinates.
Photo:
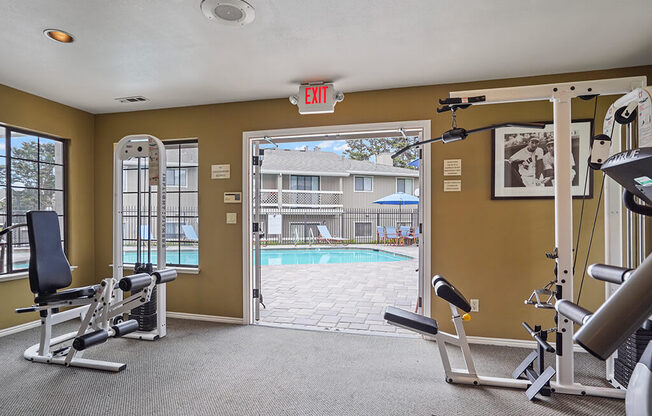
(58, 35)
(229, 12)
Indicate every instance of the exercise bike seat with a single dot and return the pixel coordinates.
(445, 290)
(68, 294)
(410, 320)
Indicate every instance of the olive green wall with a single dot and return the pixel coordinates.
(24, 110)
(493, 250)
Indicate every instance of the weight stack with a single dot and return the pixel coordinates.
(629, 353)
(146, 314)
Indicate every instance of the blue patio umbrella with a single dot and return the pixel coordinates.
(414, 163)
(399, 198)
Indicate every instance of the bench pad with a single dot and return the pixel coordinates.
(411, 320)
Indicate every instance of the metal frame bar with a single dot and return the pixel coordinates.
(125, 150)
(561, 94)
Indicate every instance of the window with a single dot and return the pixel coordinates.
(304, 183)
(177, 177)
(32, 177)
(363, 184)
(363, 229)
(182, 216)
(404, 185)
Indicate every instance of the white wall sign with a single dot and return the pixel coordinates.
(274, 224)
(220, 171)
(452, 167)
(453, 185)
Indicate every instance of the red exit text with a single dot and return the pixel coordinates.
(316, 95)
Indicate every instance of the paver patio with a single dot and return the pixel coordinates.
(340, 297)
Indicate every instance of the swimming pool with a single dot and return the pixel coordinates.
(186, 257)
(272, 257)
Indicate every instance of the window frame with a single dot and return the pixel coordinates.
(371, 178)
(178, 217)
(180, 184)
(371, 229)
(405, 179)
(8, 189)
(303, 179)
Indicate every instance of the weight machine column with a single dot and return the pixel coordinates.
(564, 229)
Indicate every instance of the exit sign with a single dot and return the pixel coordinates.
(316, 98)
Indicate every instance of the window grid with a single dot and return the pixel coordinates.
(176, 214)
(11, 216)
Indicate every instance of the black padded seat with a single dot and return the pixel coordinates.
(411, 320)
(68, 294)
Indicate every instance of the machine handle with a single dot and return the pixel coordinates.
(11, 227)
(632, 205)
(607, 273)
(574, 312)
(135, 282)
(90, 339)
(540, 340)
(165, 275)
(124, 328)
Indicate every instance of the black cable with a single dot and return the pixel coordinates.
(579, 229)
(595, 219)
(586, 178)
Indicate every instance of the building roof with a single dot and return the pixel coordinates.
(317, 162)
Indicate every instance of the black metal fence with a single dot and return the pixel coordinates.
(176, 219)
(354, 225)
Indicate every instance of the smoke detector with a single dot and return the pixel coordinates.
(228, 12)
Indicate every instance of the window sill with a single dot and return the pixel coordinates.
(180, 270)
(22, 275)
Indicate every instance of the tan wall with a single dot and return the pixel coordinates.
(34, 113)
(493, 250)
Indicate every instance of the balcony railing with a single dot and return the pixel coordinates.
(300, 199)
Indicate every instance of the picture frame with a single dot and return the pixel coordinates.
(522, 162)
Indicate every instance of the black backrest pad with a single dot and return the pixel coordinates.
(449, 293)
(49, 269)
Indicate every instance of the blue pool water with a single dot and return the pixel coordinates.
(270, 257)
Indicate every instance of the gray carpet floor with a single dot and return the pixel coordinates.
(209, 369)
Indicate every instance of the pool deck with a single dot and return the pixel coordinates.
(349, 297)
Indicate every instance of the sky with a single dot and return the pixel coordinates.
(334, 146)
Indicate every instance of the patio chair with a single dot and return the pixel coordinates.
(392, 235)
(408, 234)
(380, 235)
(325, 235)
(189, 232)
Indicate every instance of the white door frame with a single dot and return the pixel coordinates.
(425, 196)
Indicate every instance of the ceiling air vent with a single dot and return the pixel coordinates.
(134, 99)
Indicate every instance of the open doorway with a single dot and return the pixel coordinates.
(336, 229)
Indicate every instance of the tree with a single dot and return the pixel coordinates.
(25, 175)
(366, 148)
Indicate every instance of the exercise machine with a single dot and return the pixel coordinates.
(147, 154)
(629, 309)
(104, 308)
(429, 327)
(560, 94)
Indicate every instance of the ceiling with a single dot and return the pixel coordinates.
(170, 53)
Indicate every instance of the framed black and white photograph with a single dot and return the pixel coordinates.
(523, 162)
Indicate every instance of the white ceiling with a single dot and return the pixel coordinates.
(169, 52)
